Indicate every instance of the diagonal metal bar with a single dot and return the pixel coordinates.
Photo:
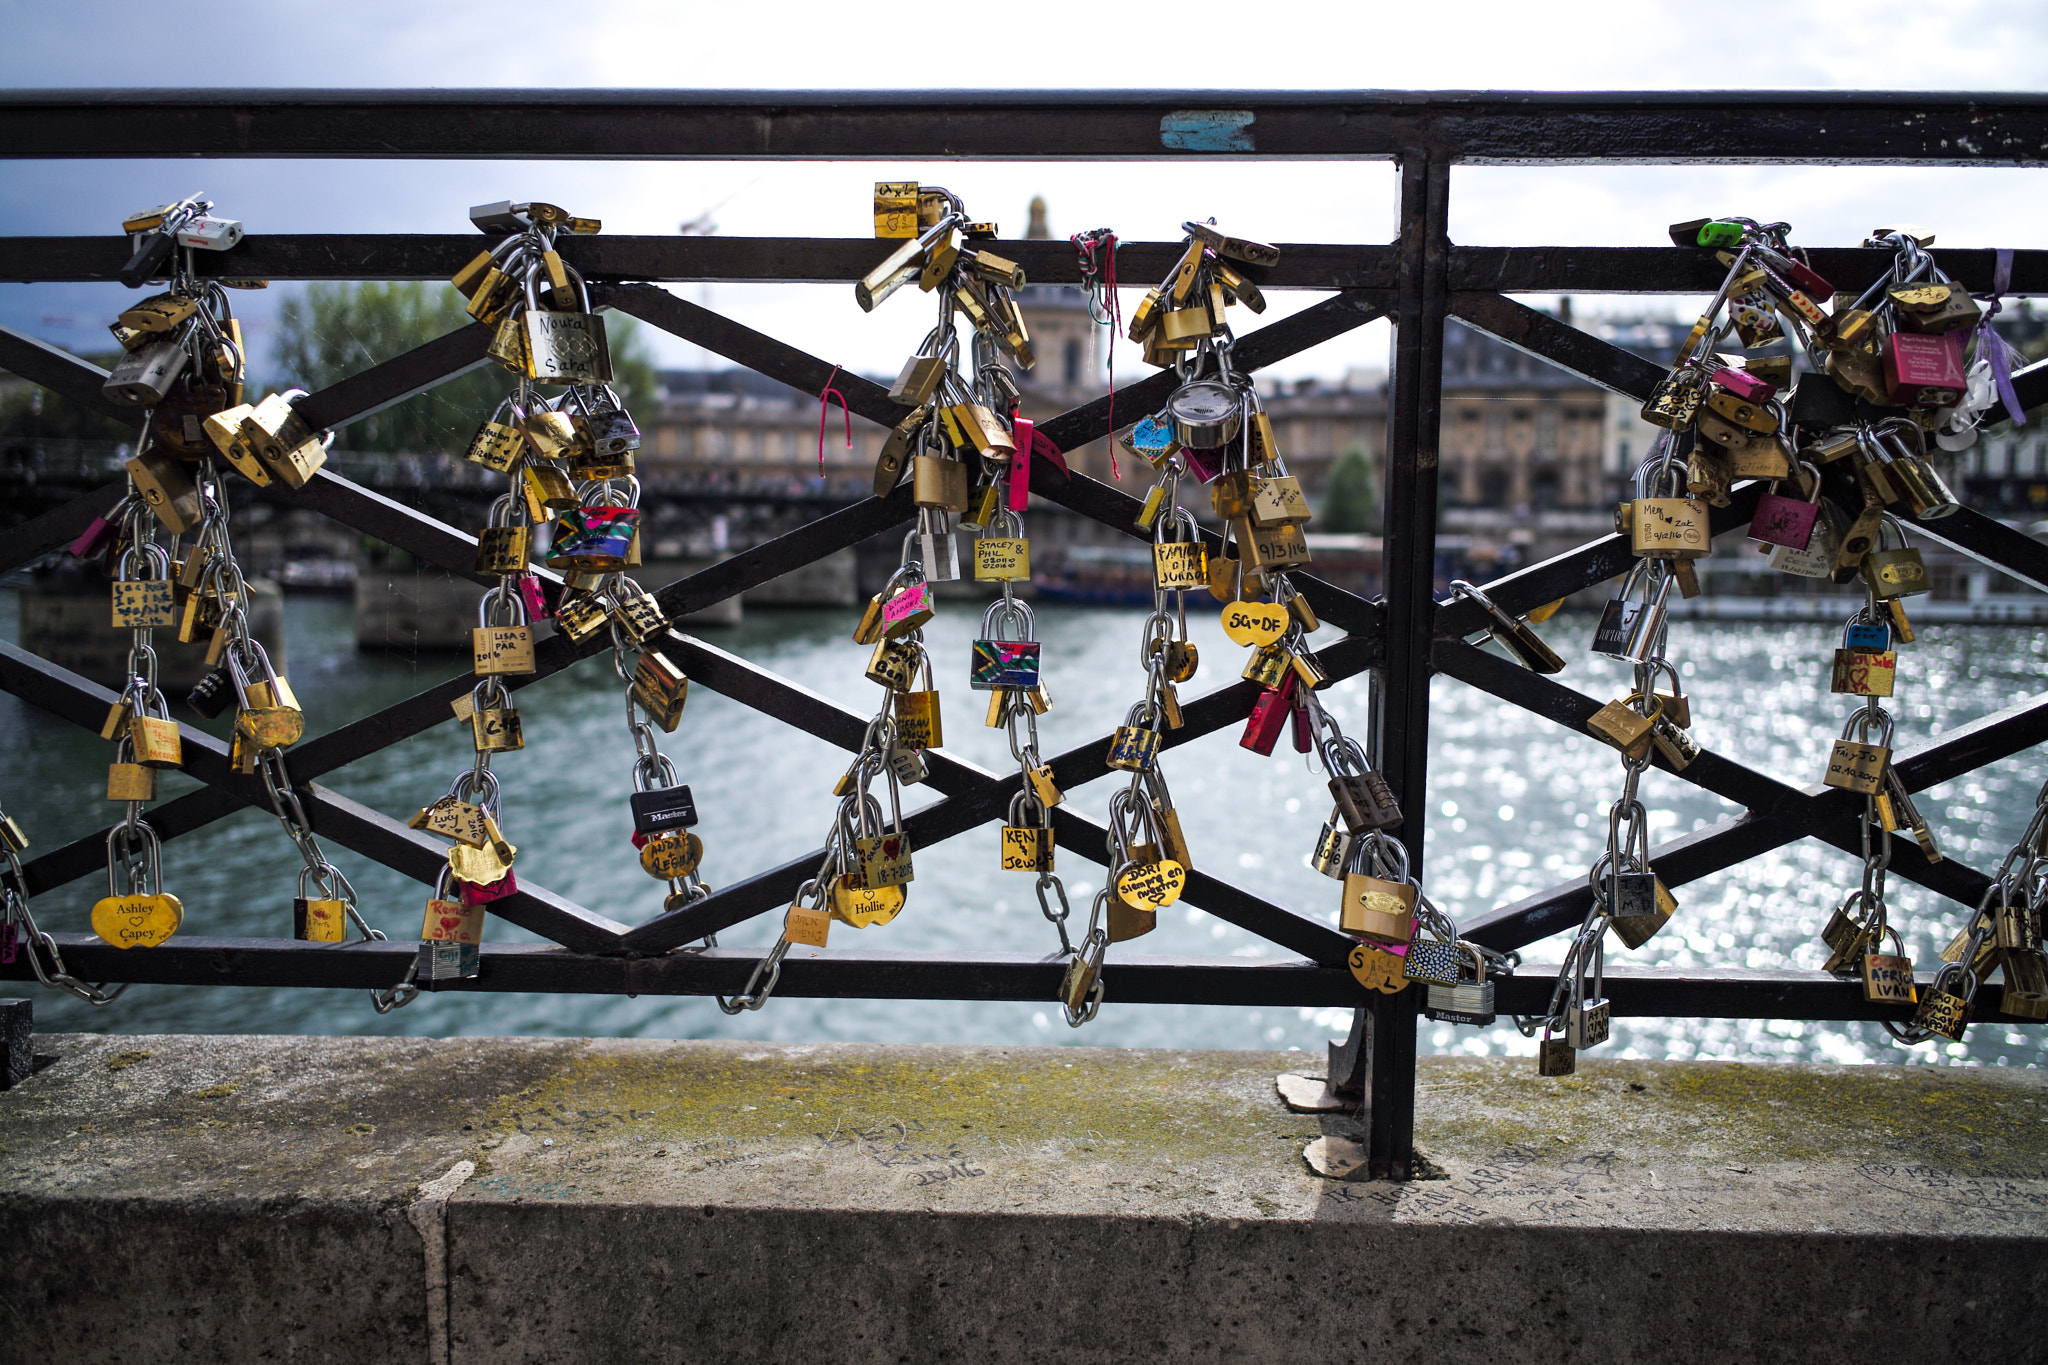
(1818, 811)
(2030, 386)
(63, 373)
(1559, 343)
(391, 382)
(350, 824)
(57, 527)
(1988, 541)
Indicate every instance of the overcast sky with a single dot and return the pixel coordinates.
(1934, 44)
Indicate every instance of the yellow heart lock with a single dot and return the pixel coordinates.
(137, 921)
(1255, 623)
(672, 856)
(862, 906)
(1377, 970)
(1152, 886)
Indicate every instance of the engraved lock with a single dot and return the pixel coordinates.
(1670, 528)
(1364, 800)
(1278, 501)
(1620, 724)
(1179, 558)
(1622, 615)
(1267, 665)
(882, 857)
(1888, 977)
(1375, 907)
(1003, 663)
(1027, 843)
(565, 348)
(140, 603)
(141, 915)
(1135, 745)
(1943, 1011)
(638, 613)
(1817, 560)
(167, 489)
(497, 444)
(918, 724)
(1586, 1024)
(1853, 763)
(660, 688)
(1555, 1057)
(1924, 371)
(1675, 402)
(280, 438)
(1895, 572)
(1002, 555)
(1780, 520)
(318, 919)
(1845, 935)
(143, 376)
(1638, 927)
(1266, 548)
(580, 615)
(613, 432)
(498, 650)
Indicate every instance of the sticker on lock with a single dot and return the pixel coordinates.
(1004, 665)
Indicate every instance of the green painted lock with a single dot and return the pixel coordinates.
(1721, 236)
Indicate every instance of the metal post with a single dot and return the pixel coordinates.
(1414, 402)
(17, 1042)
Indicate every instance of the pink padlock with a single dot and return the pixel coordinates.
(1924, 371)
(1020, 464)
(1780, 520)
(911, 600)
(483, 895)
(1204, 464)
(530, 594)
(1746, 386)
(93, 539)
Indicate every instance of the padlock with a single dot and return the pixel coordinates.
(156, 738)
(316, 919)
(1000, 663)
(670, 855)
(1620, 724)
(130, 781)
(1856, 765)
(1670, 528)
(1780, 520)
(1268, 548)
(501, 650)
(144, 603)
(660, 688)
(503, 549)
(278, 437)
(1924, 371)
(167, 489)
(1179, 558)
(496, 729)
(637, 612)
(1888, 977)
(905, 609)
(936, 555)
(1377, 908)
(918, 725)
(1467, 1000)
(1269, 714)
(1277, 501)
(1751, 415)
(1897, 572)
(498, 445)
(1555, 1056)
(1860, 671)
(143, 376)
(1513, 633)
(1135, 745)
(1333, 848)
(1822, 550)
(1002, 559)
(452, 921)
(1585, 1023)
(1364, 800)
(565, 348)
(270, 717)
(1433, 961)
(1638, 928)
(593, 539)
(211, 694)
(1676, 400)
(2026, 985)
(1942, 1010)
(938, 482)
(893, 663)
(1027, 843)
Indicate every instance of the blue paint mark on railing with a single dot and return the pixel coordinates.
(1207, 130)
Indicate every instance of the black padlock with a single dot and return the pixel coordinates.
(212, 694)
(662, 809)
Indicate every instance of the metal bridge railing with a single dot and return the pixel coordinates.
(1404, 637)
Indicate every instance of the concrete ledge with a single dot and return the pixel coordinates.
(308, 1199)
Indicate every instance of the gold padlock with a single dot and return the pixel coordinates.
(280, 438)
(939, 482)
(1377, 909)
(157, 742)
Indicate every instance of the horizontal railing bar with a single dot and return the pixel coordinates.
(841, 260)
(1506, 127)
(873, 973)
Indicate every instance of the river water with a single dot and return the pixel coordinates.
(1516, 805)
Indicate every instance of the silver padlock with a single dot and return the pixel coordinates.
(1585, 1023)
(907, 764)
(935, 549)
(441, 961)
(146, 374)
(1468, 1002)
(1333, 846)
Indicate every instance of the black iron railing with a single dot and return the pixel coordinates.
(1405, 637)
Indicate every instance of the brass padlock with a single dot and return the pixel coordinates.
(157, 741)
(1135, 745)
(918, 725)
(1888, 977)
(1267, 666)
(167, 489)
(1618, 723)
(1942, 1010)
(1555, 1057)
(564, 348)
(939, 482)
(319, 920)
(1266, 548)
(661, 689)
(496, 729)
(893, 663)
(280, 438)
(1670, 528)
(503, 549)
(1641, 908)
(130, 782)
(638, 613)
(1858, 766)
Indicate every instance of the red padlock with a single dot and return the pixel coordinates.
(1746, 386)
(530, 594)
(1807, 280)
(1780, 520)
(1020, 464)
(484, 895)
(1262, 731)
(1924, 371)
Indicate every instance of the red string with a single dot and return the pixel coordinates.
(825, 399)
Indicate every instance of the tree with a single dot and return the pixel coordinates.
(31, 412)
(337, 330)
(1351, 502)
